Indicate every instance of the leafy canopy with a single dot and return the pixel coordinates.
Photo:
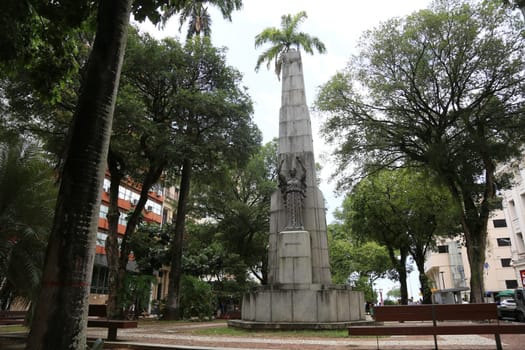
(283, 39)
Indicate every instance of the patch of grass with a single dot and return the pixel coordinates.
(153, 322)
(229, 331)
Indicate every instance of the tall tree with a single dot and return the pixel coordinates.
(195, 12)
(71, 248)
(285, 38)
(211, 125)
(61, 311)
(442, 88)
(239, 201)
(402, 210)
(141, 147)
(27, 198)
(354, 262)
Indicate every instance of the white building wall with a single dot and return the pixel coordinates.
(514, 208)
(449, 269)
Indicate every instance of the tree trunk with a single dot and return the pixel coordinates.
(476, 216)
(173, 302)
(121, 271)
(476, 256)
(402, 270)
(426, 293)
(419, 255)
(61, 312)
(400, 266)
(112, 248)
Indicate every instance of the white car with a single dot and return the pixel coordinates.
(508, 303)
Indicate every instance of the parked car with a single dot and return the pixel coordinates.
(508, 303)
(512, 305)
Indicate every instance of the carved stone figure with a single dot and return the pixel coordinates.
(294, 192)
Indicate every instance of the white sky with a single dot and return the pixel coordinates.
(337, 23)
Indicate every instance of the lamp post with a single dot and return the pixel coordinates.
(442, 279)
(381, 297)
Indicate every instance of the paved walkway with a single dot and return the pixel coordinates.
(173, 336)
(170, 336)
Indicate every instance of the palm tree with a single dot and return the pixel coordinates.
(27, 202)
(284, 39)
(198, 16)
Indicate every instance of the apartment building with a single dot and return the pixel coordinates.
(514, 208)
(449, 271)
(156, 210)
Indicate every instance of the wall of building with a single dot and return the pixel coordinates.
(449, 270)
(514, 208)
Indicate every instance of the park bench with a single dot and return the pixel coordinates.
(97, 318)
(414, 320)
(12, 317)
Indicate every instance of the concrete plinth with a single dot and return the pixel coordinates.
(301, 306)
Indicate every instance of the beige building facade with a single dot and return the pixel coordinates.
(514, 209)
(449, 271)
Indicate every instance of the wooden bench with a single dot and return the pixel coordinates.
(97, 318)
(12, 317)
(483, 320)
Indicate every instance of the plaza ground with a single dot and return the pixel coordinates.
(170, 335)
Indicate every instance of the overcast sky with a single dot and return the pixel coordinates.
(337, 23)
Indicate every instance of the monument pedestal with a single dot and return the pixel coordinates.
(295, 258)
(294, 302)
(300, 306)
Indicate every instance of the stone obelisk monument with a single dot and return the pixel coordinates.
(299, 293)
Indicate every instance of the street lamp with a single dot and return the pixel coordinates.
(381, 297)
(442, 279)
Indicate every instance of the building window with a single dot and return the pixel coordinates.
(101, 239)
(499, 222)
(511, 284)
(503, 242)
(99, 281)
(442, 248)
(103, 212)
(123, 219)
(506, 262)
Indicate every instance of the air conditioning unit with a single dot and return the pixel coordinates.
(134, 201)
(149, 208)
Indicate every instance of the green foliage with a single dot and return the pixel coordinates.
(404, 211)
(197, 15)
(197, 299)
(36, 37)
(394, 293)
(134, 298)
(433, 92)
(238, 200)
(437, 89)
(150, 247)
(356, 263)
(283, 39)
(27, 201)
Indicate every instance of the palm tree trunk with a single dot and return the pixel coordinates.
(61, 311)
(173, 302)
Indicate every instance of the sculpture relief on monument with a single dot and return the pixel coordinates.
(293, 190)
(299, 293)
